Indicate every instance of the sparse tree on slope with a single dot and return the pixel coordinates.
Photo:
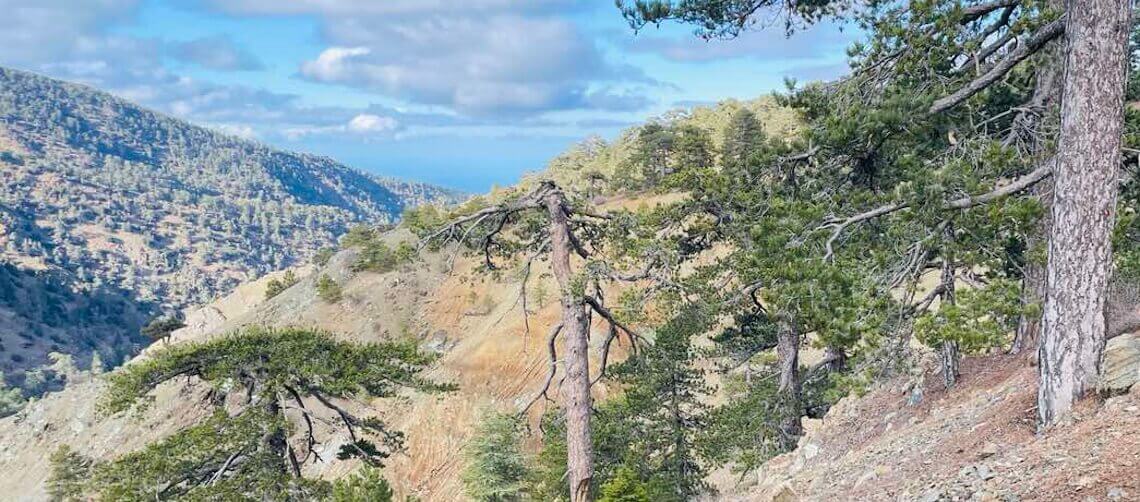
(248, 453)
(544, 221)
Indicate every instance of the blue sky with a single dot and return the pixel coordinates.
(465, 94)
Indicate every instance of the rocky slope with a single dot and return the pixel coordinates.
(913, 440)
(117, 201)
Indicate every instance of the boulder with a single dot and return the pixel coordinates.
(1121, 368)
(785, 494)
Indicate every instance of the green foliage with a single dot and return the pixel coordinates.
(160, 328)
(375, 256)
(547, 479)
(304, 359)
(423, 219)
(540, 294)
(625, 486)
(979, 319)
(276, 286)
(746, 430)
(322, 256)
(240, 455)
(328, 290)
(647, 438)
(364, 485)
(11, 398)
(727, 18)
(198, 452)
(69, 472)
(358, 235)
(496, 468)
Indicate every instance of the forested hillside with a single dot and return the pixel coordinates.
(920, 281)
(118, 201)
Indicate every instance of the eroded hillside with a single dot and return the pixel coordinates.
(471, 319)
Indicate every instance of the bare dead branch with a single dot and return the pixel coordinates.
(1032, 44)
(553, 352)
(225, 467)
(975, 61)
(975, 12)
(609, 316)
(805, 155)
(310, 438)
(604, 363)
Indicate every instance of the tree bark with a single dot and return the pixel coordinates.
(1084, 200)
(950, 353)
(1026, 133)
(275, 441)
(788, 352)
(576, 329)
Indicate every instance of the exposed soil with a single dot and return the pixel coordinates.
(977, 441)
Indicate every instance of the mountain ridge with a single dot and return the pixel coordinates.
(104, 195)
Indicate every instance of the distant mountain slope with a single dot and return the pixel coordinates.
(116, 197)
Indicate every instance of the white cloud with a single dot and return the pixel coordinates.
(332, 63)
(361, 124)
(386, 7)
(216, 53)
(504, 64)
(368, 123)
(239, 130)
(41, 30)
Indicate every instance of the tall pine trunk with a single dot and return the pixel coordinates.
(576, 331)
(1084, 199)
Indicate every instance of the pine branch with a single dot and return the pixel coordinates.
(837, 226)
(1034, 43)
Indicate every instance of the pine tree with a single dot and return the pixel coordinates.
(662, 406)
(496, 468)
(328, 290)
(247, 453)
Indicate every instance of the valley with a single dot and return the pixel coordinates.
(906, 268)
(147, 215)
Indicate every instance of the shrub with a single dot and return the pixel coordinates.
(375, 256)
(366, 484)
(277, 286)
(624, 487)
(161, 327)
(328, 290)
(69, 471)
(980, 319)
(322, 257)
(358, 236)
(245, 453)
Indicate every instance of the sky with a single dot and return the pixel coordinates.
(466, 94)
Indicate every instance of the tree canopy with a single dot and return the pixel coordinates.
(249, 451)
